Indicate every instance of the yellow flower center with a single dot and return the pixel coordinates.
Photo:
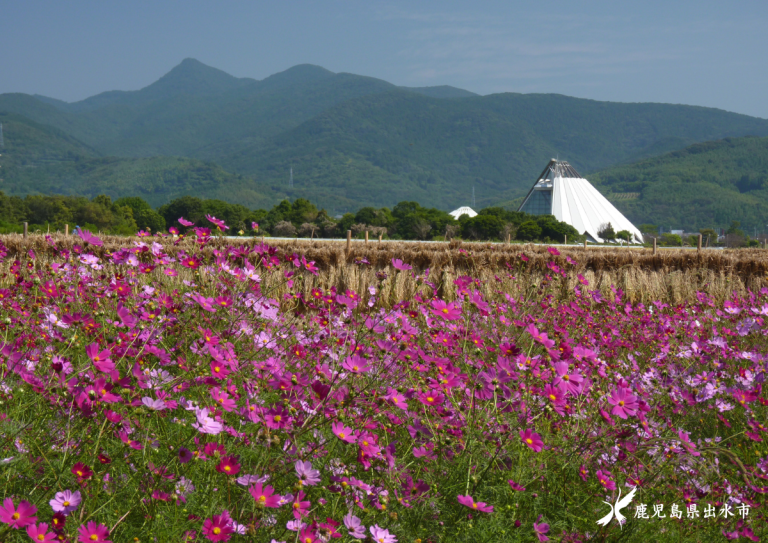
(66, 504)
(227, 468)
(278, 418)
(15, 516)
(529, 441)
(216, 530)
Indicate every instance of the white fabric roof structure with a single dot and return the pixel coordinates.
(464, 210)
(562, 192)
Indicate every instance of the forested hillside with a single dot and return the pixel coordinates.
(352, 141)
(703, 186)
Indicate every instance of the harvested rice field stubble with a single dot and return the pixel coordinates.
(670, 276)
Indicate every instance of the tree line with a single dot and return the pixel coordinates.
(299, 218)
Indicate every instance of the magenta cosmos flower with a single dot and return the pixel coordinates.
(228, 465)
(532, 439)
(541, 529)
(40, 533)
(185, 222)
(355, 364)
(218, 528)
(400, 265)
(472, 504)
(605, 480)
(624, 403)
(264, 495)
(93, 533)
(217, 222)
(19, 517)
(344, 433)
(87, 237)
(66, 502)
(446, 311)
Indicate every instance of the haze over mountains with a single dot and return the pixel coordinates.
(351, 140)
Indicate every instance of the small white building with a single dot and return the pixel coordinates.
(463, 210)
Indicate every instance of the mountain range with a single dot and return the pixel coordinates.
(350, 140)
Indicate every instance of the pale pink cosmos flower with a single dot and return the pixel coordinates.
(355, 526)
(155, 405)
(381, 535)
(66, 502)
(306, 474)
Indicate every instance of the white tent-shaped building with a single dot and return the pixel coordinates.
(562, 192)
(463, 210)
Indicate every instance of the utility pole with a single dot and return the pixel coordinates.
(473, 197)
(2, 144)
(290, 181)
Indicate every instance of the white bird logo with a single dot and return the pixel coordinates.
(616, 509)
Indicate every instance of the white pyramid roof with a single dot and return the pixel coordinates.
(464, 210)
(575, 201)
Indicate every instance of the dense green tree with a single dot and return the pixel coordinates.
(482, 227)
(143, 214)
(529, 231)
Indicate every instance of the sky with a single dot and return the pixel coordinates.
(702, 53)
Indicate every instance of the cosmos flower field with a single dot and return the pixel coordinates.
(149, 397)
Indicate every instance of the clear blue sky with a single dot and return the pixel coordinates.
(677, 51)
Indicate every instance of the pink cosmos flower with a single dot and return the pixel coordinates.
(40, 533)
(217, 222)
(344, 433)
(532, 439)
(205, 424)
(66, 502)
(541, 529)
(154, 404)
(396, 398)
(17, 517)
(516, 486)
(218, 528)
(624, 403)
(605, 479)
(472, 504)
(355, 364)
(380, 535)
(185, 222)
(355, 526)
(277, 418)
(449, 312)
(306, 474)
(300, 505)
(265, 495)
(400, 265)
(93, 533)
(87, 237)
